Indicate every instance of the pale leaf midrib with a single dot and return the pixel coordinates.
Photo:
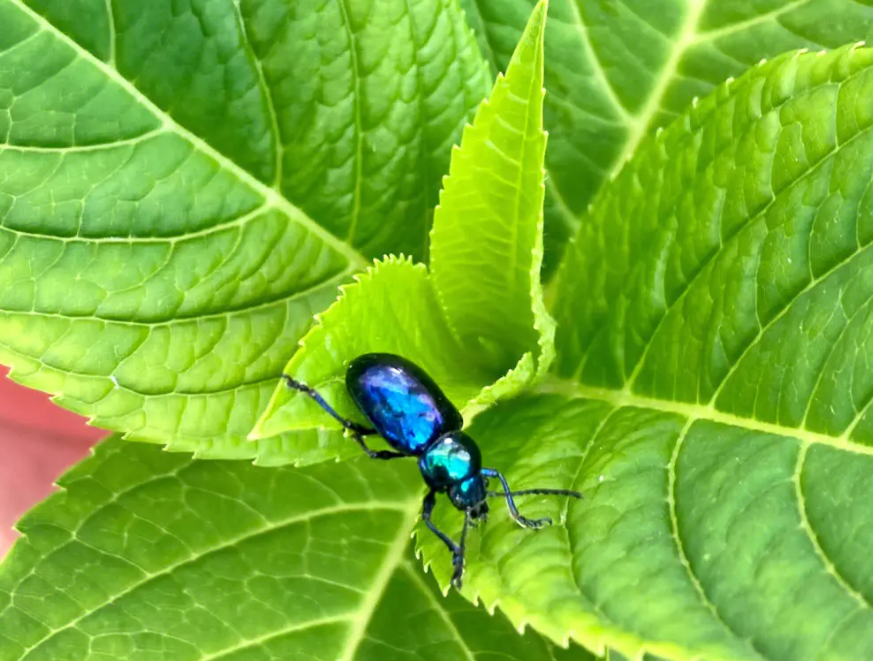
(682, 555)
(597, 67)
(415, 575)
(132, 239)
(110, 18)
(278, 148)
(273, 635)
(642, 121)
(391, 563)
(269, 194)
(247, 310)
(698, 412)
(359, 129)
(84, 148)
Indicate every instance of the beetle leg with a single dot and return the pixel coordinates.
(357, 431)
(457, 550)
(376, 454)
(458, 558)
(510, 503)
(311, 392)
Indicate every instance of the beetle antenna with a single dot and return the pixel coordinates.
(510, 503)
(535, 492)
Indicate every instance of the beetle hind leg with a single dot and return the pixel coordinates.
(357, 431)
(376, 454)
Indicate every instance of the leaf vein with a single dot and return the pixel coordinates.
(731, 28)
(787, 306)
(672, 477)
(279, 150)
(621, 398)
(414, 574)
(392, 560)
(245, 309)
(596, 66)
(110, 19)
(639, 127)
(807, 528)
(359, 129)
(834, 344)
(261, 641)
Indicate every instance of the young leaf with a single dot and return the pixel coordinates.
(474, 323)
(146, 555)
(616, 71)
(393, 309)
(486, 242)
(716, 392)
(182, 188)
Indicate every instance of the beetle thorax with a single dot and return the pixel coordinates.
(449, 460)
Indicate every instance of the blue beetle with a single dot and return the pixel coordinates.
(412, 414)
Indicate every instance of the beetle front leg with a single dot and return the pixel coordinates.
(510, 503)
(458, 551)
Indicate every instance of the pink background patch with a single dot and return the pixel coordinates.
(38, 442)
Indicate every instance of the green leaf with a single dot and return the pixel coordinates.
(486, 243)
(738, 281)
(616, 71)
(149, 556)
(697, 539)
(477, 321)
(182, 188)
(713, 394)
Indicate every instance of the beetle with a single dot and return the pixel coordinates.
(408, 409)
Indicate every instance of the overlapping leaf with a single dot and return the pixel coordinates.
(697, 539)
(477, 322)
(714, 392)
(617, 70)
(486, 244)
(146, 555)
(182, 188)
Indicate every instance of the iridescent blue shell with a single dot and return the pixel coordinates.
(402, 402)
(449, 460)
